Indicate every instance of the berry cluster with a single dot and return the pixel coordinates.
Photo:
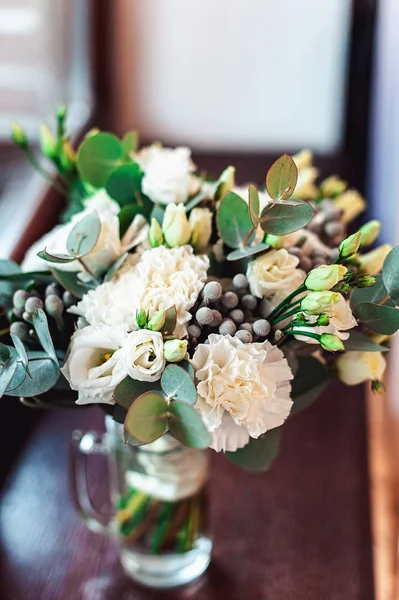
(227, 308)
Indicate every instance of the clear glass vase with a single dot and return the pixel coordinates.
(158, 495)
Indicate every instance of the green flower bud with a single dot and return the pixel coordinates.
(157, 320)
(331, 342)
(226, 183)
(369, 232)
(323, 320)
(377, 386)
(201, 227)
(175, 350)
(175, 226)
(325, 277)
(365, 281)
(350, 245)
(141, 318)
(317, 303)
(92, 132)
(48, 143)
(18, 135)
(275, 241)
(332, 186)
(155, 236)
(68, 157)
(62, 112)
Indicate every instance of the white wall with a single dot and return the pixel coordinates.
(236, 74)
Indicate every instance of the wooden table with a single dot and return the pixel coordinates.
(300, 531)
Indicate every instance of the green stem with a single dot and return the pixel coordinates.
(245, 242)
(283, 316)
(287, 300)
(89, 271)
(315, 336)
(36, 165)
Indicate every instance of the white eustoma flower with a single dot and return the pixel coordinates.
(162, 278)
(143, 356)
(243, 389)
(93, 366)
(357, 367)
(168, 174)
(341, 320)
(274, 275)
(108, 248)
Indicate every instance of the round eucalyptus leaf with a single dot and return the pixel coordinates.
(52, 258)
(146, 419)
(258, 454)
(239, 254)
(281, 218)
(9, 267)
(375, 293)
(98, 156)
(233, 221)
(4, 353)
(129, 389)
(7, 371)
(379, 318)
(44, 374)
(390, 274)
(281, 178)
(84, 235)
(186, 425)
(124, 182)
(360, 342)
(177, 383)
(40, 325)
(70, 282)
(130, 143)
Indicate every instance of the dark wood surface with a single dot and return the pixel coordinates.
(300, 531)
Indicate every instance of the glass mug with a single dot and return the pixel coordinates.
(158, 495)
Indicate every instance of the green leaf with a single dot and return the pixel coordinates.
(306, 399)
(61, 259)
(115, 267)
(253, 203)
(37, 276)
(379, 318)
(126, 216)
(124, 182)
(177, 383)
(7, 371)
(196, 200)
(44, 375)
(170, 321)
(225, 183)
(238, 254)
(146, 419)
(358, 341)
(233, 221)
(280, 219)
(187, 366)
(119, 414)
(376, 293)
(4, 353)
(281, 178)
(258, 454)
(311, 372)
(186, 425)
(98, 156)
(158, 213)
(69, 281)
(22, 353)
(129, 389)
(40, 324)
(130, 143)
(9, 267)
(390, 274)
(84, 235)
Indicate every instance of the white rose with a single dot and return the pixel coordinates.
(356, 367)
(341, 320)
(274, 275)
(246, 383)
(168, 174)
(143, 355)
(162, 278)
(93, 365)
(175, 226)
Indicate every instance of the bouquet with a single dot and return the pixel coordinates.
(199, 308)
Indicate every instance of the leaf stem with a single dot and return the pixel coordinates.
(280, 307)
(381, 302)
(283, 316)
(89, 271)
(36, 165)
(245, 242)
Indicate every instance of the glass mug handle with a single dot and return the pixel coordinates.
(84, 444)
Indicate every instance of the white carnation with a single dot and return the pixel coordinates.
(93, 365)
(168, 174)
(249, 383)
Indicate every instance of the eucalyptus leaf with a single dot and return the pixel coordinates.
(70, 282)
(282, 218)
(52, 258)
(119, 414)
(40, 324)
(4, 353)
(281, 178)
(37, 276)
(124, 182)
(130, 143)
(170, 321)
(98, 156)
(129, 389)
(375, 293)
(310, 374)
(7, 371)
(146, 419)
(360, 342)
(196, 200)
(44, 374)
(253, 203)
(186, 425)
(234, 222)
(258, 454)
(158, 213)
(115, 267)
(20, 348)
(126, 216)
(390, 274)
(379, 318)
(306, 399)
(177, 383)
(9, 267)
(250, 251)
(225, 183)
(187, 366)
(84, 235)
